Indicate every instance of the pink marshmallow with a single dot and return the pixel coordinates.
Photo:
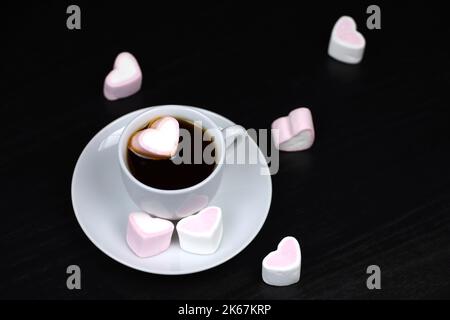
(346, 43)
(282, 266)
(285, 255)
(159, 141)
(294, 132)
(147, 236)
(125, 79)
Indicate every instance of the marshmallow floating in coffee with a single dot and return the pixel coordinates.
(294, 132)
(159, 141)
(201, 233)
(125, 79)
(346, 43)
(147, 236)
(282, 267)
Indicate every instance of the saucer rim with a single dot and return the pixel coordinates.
(164, 272)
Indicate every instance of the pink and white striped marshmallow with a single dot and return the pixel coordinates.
(346, 43)
(282, 266)
(294, 132)
(125, 79)
(157, 142)
(147, 236)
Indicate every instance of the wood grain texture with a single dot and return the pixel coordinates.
(374, 189)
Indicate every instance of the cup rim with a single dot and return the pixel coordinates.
(125, 169)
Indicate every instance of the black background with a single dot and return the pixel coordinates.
(374, 189)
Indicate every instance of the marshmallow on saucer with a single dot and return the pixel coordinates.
(294, 132)
(282, 267)
(125, 79)
(201, 233)
(346, 44)
(160, 141)
(148, 236)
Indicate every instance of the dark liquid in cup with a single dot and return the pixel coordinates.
(165, 174)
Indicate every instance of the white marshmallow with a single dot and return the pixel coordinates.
(201, 233)
(125, 79)
(346, 44)
(282, 267)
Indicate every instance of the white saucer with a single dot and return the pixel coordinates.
(102, 205)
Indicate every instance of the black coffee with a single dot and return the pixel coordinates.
(166, 174)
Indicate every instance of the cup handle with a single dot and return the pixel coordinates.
(233, 133)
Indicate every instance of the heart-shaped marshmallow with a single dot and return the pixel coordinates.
(125, 79)
(148, 236)
(294, 132)
(201, 233)
(346, 43)
(160, 141)
(282, 267)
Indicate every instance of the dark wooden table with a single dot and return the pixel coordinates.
(374, 189)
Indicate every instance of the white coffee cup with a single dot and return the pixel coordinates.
(176, 204)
